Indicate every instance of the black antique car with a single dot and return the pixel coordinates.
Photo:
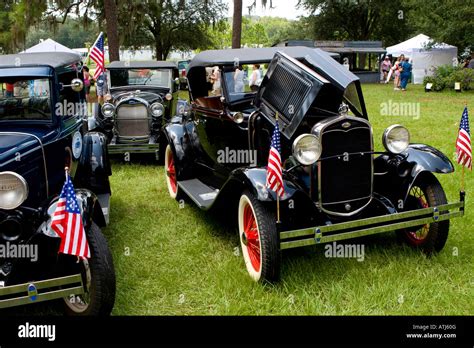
(143, 95)
(42, 132)
(336, 186)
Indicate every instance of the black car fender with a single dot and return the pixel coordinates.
(94, 165)
(176, 134)
(90, 207)
(403, 170)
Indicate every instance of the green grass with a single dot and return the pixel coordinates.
(183, 261)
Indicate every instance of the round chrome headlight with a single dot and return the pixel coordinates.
(108, 110)
(307, 149)
(396, 139)
(13, 190)
(168, 96)
(157, 109)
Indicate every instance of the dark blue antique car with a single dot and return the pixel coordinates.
(336, 186)
(42, 132)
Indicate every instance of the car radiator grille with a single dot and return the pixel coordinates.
(132, 120)
(346, 171)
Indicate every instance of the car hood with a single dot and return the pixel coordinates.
(13, 146)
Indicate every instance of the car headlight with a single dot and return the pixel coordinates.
(157, 109)
(108, 110)
(396, 139)
(307, 149)
(13, 190)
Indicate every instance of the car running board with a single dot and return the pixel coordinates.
(104, 200)
(199, 192)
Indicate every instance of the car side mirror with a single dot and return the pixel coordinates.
(76, 85)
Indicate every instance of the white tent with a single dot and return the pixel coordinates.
(49, 45)
(423, 57)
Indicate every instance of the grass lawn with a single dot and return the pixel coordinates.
(182, 261)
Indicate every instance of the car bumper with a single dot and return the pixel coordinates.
(40, 291)
(133, 148)
(369, 226)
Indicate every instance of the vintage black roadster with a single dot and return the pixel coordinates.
(42, 132)
(336, 186)
(143, 96)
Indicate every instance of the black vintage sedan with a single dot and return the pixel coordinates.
(143, 95)
(335, 185)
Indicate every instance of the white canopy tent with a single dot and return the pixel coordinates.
(424, 58)
(49, 45)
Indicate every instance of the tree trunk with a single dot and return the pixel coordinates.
(237, 24)
(110, 8)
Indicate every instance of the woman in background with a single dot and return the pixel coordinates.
(396, 72)
(405, 73)
(87, 81)
(239, 79)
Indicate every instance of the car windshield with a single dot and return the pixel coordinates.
(352, 98)
(147, 77)
(25, 99)
(243, 81)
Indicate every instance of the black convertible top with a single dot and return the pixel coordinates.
(249, 55)
(52, 59)
(144, 64)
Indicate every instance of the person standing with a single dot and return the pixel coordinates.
(239, 80)
(255, 78)
(101, 87)
(386, 66)
(405, 73)
(216, 81)
(87, 82)
(396, 72)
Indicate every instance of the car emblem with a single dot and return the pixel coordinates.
(346, 125)
(32, 292)
(348, 207)
(77, 145)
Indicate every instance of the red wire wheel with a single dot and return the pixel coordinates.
(170, 172)
(430, 237)
(418, 236)
(259, 239)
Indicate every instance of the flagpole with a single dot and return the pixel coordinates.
(277, 193)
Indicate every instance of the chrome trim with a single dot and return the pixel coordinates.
(42, 150)
(126, 99)
(318, 130)
(364, 227)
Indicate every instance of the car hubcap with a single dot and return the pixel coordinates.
(419, 236)
(251, 237)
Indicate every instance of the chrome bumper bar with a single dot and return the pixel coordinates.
(39, 291)
(368, 226)
(133, 148)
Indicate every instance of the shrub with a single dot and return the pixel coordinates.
(446, 75)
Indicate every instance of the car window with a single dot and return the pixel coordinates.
(25, 99)
(148, 77)
(242, 82)
(352, 97)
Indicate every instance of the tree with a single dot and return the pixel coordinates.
(237, 20)
(110, 12)
(237, 24)
(358, 20)
(445, 21)
(169, 24)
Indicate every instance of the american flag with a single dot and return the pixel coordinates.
(97, 55)
(463, 142)
(274, 172)
(67, 223)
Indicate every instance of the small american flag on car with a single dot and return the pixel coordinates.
(98, 56)
(274, 171)
(463, 142)
(67, 223)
